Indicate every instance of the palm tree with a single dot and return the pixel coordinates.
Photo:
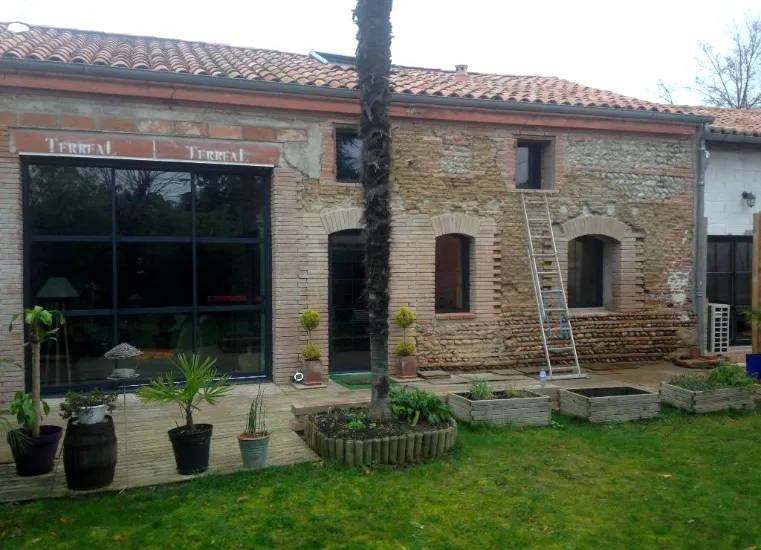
(373, 19)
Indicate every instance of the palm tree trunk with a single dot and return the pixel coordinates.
(373, 19)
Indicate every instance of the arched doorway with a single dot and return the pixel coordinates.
(348, 329)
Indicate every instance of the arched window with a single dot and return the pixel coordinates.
(452, 273)
(588, 280)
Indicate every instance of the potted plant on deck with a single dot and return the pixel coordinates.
(254, 440)
(88, 408)
(406, 361)
(311, 365)
(37, 455)
(190, 442)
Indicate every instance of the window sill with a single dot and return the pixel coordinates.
(588, 311)
(464, 316)
(516, 190)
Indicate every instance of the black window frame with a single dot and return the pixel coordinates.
(265, 307)
(535, 152)
(465, 271)
(340, 132)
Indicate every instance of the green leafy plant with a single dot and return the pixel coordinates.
(73, 403)
(405, 318)
(202, 384)
(310, 320)
(481, 390)
(413, 404)
(39, 322)
(22, 407)
(255, 422)
(725, 375)
(405, 348)
(355, 422)
(311, 352)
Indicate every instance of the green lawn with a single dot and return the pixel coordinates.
(677, 482)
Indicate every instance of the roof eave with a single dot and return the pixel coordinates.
(81, 69)
(733, 138)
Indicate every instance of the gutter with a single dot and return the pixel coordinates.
(700, 237)
(146, 75)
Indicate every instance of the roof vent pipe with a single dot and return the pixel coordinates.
(461, 73)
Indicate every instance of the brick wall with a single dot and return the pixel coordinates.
(447, 178)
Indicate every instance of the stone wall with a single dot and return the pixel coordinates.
(447, 177)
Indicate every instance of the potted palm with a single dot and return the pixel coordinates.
(190, 442)
(311, 364)
(406, 361)
(37, 455)
(254, 440)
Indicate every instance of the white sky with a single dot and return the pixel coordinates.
(621, 46)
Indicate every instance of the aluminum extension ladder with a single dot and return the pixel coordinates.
(549, 290)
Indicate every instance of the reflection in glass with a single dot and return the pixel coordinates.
(348, 157)
(160, 337)
(71, 275)
(229, 274)
(69, 200)
(230, 205)
(155, 274)
(150, 202)
(77, 354)
(235, 339)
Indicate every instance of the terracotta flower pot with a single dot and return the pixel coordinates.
(312, 371)
(406, 367)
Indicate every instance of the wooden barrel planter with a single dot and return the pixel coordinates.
(516, 411)
(708, 401)
(400, 449)
(89, 454)
(617, 404)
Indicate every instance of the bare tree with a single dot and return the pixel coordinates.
(665, 92)
(732, 78)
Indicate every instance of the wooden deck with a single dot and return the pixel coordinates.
(151, 461)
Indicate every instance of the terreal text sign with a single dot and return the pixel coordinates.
(90, 144)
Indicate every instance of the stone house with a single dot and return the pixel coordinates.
(189, 196)
(733, 181)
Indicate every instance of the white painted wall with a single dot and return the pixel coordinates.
(731, 170)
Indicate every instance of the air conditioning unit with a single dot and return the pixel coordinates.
(718, 316)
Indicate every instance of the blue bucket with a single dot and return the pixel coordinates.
(753, 365)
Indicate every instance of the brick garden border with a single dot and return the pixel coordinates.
(517, 411)
(611, 408)
(708, 401)
(401, 449)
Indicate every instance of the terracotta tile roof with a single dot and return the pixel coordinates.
(216, 60)
(732, 121)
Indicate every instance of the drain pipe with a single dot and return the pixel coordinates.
(700, 237)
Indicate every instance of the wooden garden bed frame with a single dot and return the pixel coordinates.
(618, 404)
(517, 411)
(708, 401)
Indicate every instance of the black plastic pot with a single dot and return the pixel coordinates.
(89, 454)
(191, 450)
(37, 457)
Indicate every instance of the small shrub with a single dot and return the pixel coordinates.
(413, 404)
(75, 402)
(723, 376)
(481, 390)
(311, 352)
(405, 318)
(309, 320)
(355, 422)
(405, 348)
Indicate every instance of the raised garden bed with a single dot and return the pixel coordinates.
(617, 404)
(518, 408)
(389, 442)
(708, 401)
